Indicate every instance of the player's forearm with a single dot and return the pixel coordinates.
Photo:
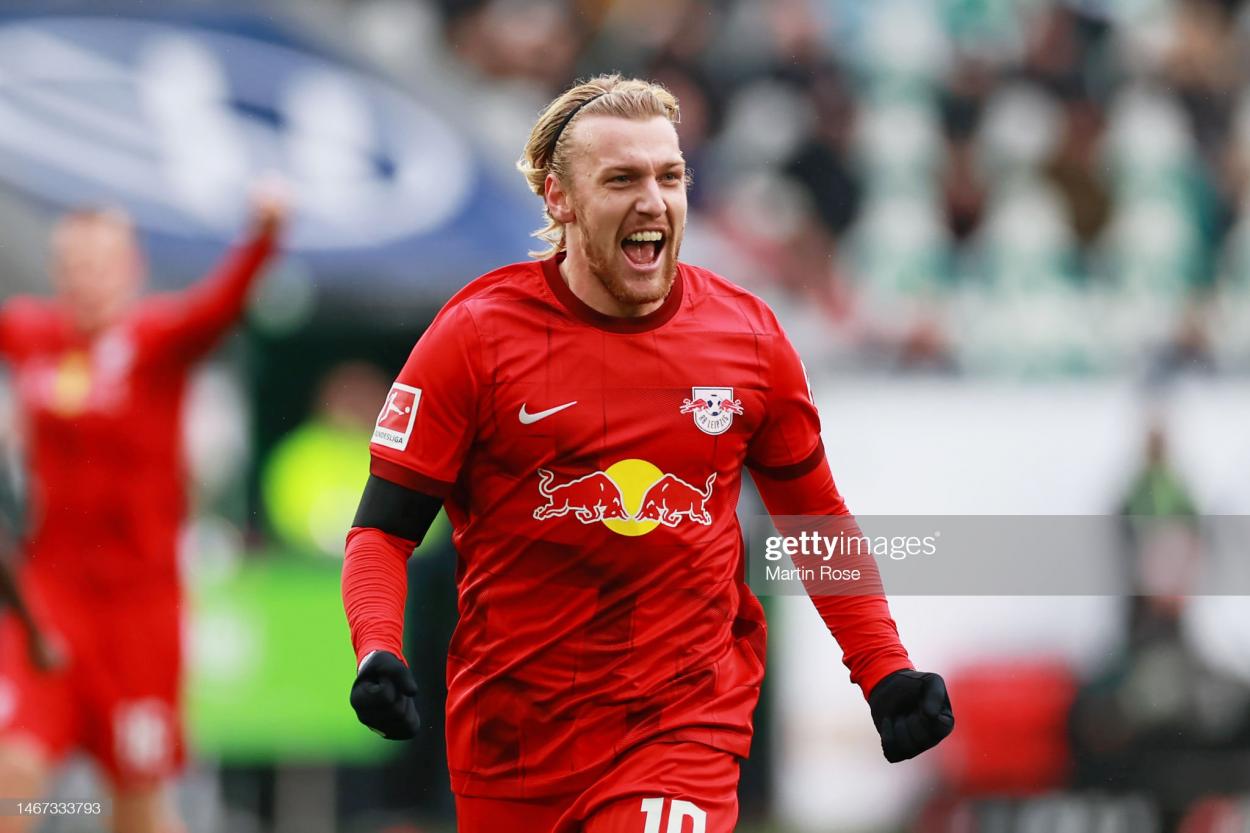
(218, 300)
(863, 627)
(856, 614)
(375, 587)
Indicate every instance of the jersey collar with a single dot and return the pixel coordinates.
(612, 323)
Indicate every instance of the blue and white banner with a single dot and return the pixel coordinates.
(174, 115)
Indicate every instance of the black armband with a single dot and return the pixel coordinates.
(396, 510)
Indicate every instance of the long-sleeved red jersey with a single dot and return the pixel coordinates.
(591, 468)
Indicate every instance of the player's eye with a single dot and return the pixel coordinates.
(621, 179)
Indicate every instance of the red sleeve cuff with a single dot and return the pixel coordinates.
(882, 668)
(365, 650)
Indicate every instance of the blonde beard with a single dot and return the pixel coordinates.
(629, 293)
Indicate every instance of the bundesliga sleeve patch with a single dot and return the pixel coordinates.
(398, 415)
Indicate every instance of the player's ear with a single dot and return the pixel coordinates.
(557, 197)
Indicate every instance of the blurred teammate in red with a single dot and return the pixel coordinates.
(585, 420)
(100, 377)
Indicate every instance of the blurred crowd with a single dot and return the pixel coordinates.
(1012, 186)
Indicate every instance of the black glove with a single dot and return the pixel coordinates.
(912, 713)
(384, 697)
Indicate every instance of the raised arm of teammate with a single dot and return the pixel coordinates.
(188, 323)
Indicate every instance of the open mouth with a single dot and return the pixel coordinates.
(642, 248)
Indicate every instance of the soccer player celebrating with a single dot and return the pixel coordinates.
(585, 420)
(100, 377)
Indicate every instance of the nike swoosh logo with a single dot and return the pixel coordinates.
(530, 419)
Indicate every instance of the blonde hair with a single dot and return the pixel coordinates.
(547, 152)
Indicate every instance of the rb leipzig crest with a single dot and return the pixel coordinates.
(713, 409)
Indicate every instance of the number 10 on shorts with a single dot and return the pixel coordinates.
(678, 812)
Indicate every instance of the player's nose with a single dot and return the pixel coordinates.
(650, 200)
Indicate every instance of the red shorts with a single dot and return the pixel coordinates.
(657, 788)
(118, 695)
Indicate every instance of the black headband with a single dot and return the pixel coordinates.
(569, 118)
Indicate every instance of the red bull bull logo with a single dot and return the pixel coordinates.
(670, 497)
(595, 497)
(631, 497)
(713, 409)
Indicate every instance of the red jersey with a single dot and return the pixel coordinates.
(591, 467)
(103, 419)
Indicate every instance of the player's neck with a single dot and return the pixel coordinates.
(590, 291)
